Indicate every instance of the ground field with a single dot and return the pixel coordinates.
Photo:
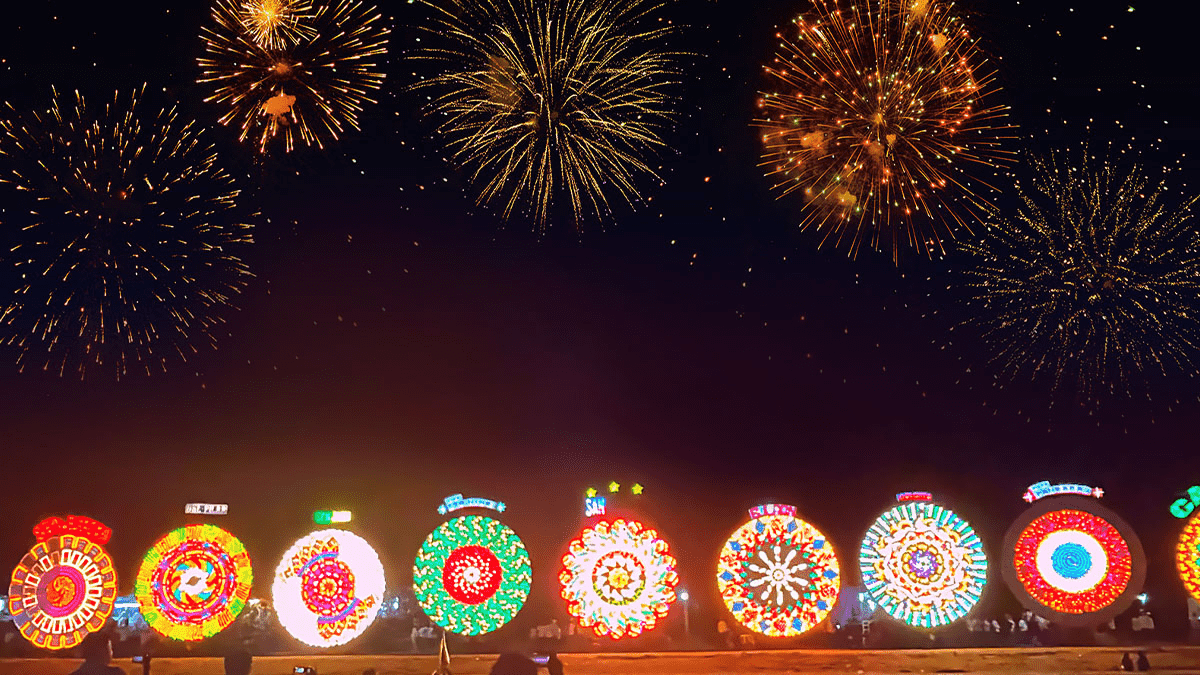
(792, 662)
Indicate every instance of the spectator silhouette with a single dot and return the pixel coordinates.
(513, 664)
(1126, 662)
(238, 663)
(97, 655)
(554, 666)
(1143, 663)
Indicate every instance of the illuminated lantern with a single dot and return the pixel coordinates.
(923, 564)
(194, 582)
(618, 578)
(65, 586)
(472, 575)
(1187, 556)
(328, 588)
(778, 575)
(1073, 561)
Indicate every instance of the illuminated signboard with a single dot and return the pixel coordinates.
(330, 517)
(456, 502)
(1184, 506)
(1045, 489)
(772, 510)
(914, 497)
(594, 506)
(206, 509)
(79, 526)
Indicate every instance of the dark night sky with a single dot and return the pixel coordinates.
(398, 345)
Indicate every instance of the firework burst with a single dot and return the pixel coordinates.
(277, 24)
(1092, 283)
(546, 101)
(877, 112)
(306, 85)
(121, 238)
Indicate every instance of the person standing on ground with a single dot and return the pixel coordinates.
(724, 635)
(97, 655)
(238, 662)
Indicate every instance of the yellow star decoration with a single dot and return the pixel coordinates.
(591, 492)
(636, 488)
(614, 486)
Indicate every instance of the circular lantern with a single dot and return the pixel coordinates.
(328, 588)
(194, 582)
(923, 564)
(472, 575)
(778, 575)
(1073, 561)
(618, 578)
(1187, 556)
(62, 590)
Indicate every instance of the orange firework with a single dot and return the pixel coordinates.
(879, 110)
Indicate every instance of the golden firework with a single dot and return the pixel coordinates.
(545, 101)
(305, 91)
(276, 24)
(880, 112)
(1092, 283)
(125, 236)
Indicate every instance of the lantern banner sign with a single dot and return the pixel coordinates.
(457, 502)
(206, 509)
(772, 510)
(1045, 489)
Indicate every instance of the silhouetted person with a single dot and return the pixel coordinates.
(238, 663)
(513, 664)
(1126, 662)
(97, 655)
(1143, 663)
(554, 666)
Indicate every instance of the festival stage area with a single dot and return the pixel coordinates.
(793, 662)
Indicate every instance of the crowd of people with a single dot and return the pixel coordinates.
(97, 652)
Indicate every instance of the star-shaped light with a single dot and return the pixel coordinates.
(591, 492)
(636, 488)
(1097, 492)
(614, 486)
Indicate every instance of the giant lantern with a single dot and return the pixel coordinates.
(194, 582)
(777, 574)
(1187, 552)
(472, 574)
(65, 587)
(1071, 560)
(922, 563)
(328, 588)
(618, 578)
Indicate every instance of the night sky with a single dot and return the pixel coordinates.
(398, 344)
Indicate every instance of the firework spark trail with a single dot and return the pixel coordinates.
(122, 239)
(534, 99)
(877, 109)
(1092, 283)
(308, 91)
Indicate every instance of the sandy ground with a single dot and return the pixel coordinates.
(793, 662)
